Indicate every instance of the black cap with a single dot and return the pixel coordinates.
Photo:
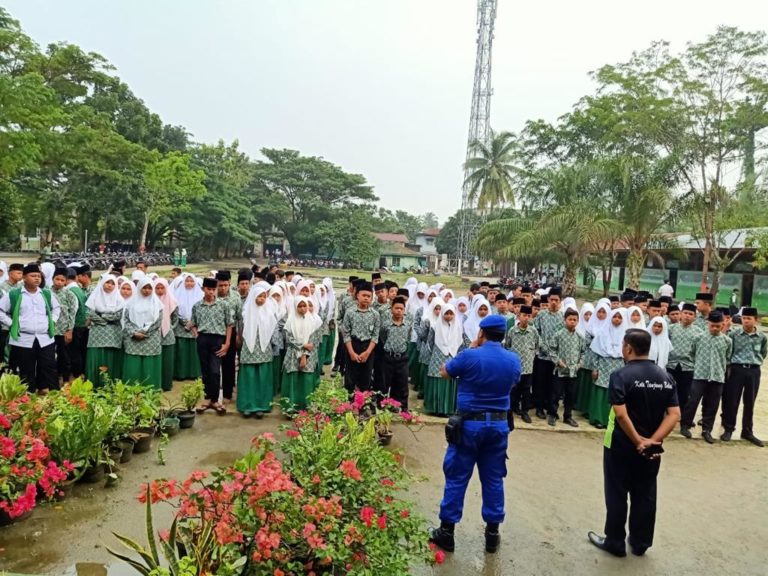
(715, 316)
(210, 283)
(535, 303)
(376, 276)
(527, 290)
(403, 292)
(667, 299)
(381, 286)
(645, 294)
(724, 310)
(351, 278)
(270, 277)
(83, 269)
(749, 312)
(487, 284)
(518, 300)
(613, 298)
(224, 275)
(689, 307)
(555, 291)
(388, 284)
(627, 296)
(244, 275)
(474, 287)
(640, 298)
(16, 267)
(60, 272)
(364, 286)
(31, 268)
(654, 303)
(398, 300)
(544, 298)
(526, 309)
(494, 286)
(704, 296)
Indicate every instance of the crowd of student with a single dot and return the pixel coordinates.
(271, 334)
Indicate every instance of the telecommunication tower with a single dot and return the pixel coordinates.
(479, 117)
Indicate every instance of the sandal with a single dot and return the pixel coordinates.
(220, 410)
(202, 408)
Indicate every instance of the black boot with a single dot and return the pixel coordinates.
(492, 538)
(443, 537)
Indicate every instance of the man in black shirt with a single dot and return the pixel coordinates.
(645, 407)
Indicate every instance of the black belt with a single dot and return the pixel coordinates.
(395, 355)
(748, 366)
(482, 416)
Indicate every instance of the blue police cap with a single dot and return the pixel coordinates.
(493, 322)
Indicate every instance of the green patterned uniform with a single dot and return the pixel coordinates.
(395, 338)
(143, 358)
(361, 325)
(68, 303)
(524, 343)
(567, 347)
(682, 339)
(213, 318)
(105, 343)
(711, 355)
(547, 324)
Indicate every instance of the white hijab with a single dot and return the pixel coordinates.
(100, 301)
(472, 321)
(48, 268)
(640, 324)
(282, 307)
(595, 325)
(448, 335)
(429, 316)
(259, 321)
(187, 297)
(4, 270)
(137, 275)
(581, 327)
(300, 327)
(609, 339)
(569, 302)
(414, 302)
(143, 311)
(330, 295)
(661, 345)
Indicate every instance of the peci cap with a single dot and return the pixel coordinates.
(376, 276)
(60, 272)
(555, 291)
(526, 309)
(244, 275)
(665, 299)
(715, 316)
(224, 275)
(654, 303)
(689, 307)
(544, 299)
(527, 290)
(16, 267)
(210, 283)
(351, 278)
(613, 298)
(749, 311)
(517, 301)
(627, 296)
(724, 310)
(31, 268)
(704, 296)
(364, 286)
(535, 303)
(403, 292)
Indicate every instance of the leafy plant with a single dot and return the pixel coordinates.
(191, 394)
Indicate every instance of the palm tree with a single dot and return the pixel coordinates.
(490, 171)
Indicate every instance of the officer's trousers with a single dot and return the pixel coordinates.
(626, 473)
(484, 444)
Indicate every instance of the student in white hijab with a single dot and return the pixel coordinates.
(48, 268)
(569, 302)
(661, 345)
(104, 355)
(3, 272)
(448, 338)
(584, 375)
(168, 327)
(137, 275)
(635, 318)
(431, 316)
(279, 294)
(142, 318)
(255, 380)
(607, 346)
(479, 310)
(302, 339)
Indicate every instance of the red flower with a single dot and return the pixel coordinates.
(439, 556)
(367, 515)
(4, 422)
(7, 447)
(404, 514)
(349, 469)
(382, 521)
(292, 433)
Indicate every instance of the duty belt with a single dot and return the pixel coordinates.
(482, 416)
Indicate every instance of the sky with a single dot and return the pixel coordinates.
(378, 87)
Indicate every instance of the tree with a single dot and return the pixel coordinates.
(410, 225)
(429, 220)
(490, 171)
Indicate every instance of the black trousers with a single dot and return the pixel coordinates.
(63, 364)
(626, 473)
(77, 350)
(358, 375)
(684, 380)
(378, 370)
(565, 387)
(744, 381)
(395, 377)
(36, 366)
(340, 360)
(708, 393)
(520, 397)
(210, 364)
(542, 382)
(228, 367)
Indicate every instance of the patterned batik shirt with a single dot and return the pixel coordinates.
(149, 346)
(395, 337)
(682, 339)
(524, 343)
(213, 318)
(567, 347)
(106, 328)
(361, 325)
(748, 348)
(547, 324)
(295, 350)
(68, 304)
(711, 354)
(170, 338)
(257, 355)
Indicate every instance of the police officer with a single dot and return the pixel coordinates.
(478, 434)
(645, 410)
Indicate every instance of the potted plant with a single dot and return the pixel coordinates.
(191, 395)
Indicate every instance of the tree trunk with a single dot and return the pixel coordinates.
(635, 261)
(104, 230)
(144, 228)
(569, 280)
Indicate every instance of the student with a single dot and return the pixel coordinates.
(447, 339)
(750, 348)
(654, 309)
(346, 302)
(278, 294)
(479, 309)
(15, 275)
(607, 346)
(105, 306)
(567, 351)
(584, 375)
(302, 338)
(361, 333)
(78, 348)
(666, 303)
(535, 308)
(614, 302)
(29, 313)
(229, 362)
(680, 363)
(712, 354)
(187, 362)
(211, 323)
(167, 330)
(64, 326)
(425, 349)
(330, 314)
(175, 273)
(523, 339)
(255, 379)
(393, 340)
(704, 302)
(547, 323)
(673, 315)
(126, 287)
(635, 318)
(661, 346)
(142, 317)
(417, 303)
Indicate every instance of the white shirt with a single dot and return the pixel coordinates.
(33, 318)
(666, 290)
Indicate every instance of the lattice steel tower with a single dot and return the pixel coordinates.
(479, 117)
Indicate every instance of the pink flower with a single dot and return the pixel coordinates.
(439, 556)
(390, 402)
(4, 422)
(367, 514)
(382, 522)
(7, 447)
(407, 416)
(349, 469)
(292, 433)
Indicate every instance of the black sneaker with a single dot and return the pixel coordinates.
(492, 540)
(685, 431)
(442, 539)
(540, 415)
(551, 420)
(707, 435)
(526, 417)
(754, 439)
(726, 436)
(571, 422)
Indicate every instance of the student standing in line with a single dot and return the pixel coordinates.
(167, 330)
(142, 317)
(64, 326)
(567, 353)
(607, 346)
(361, 333)
(105, 331)
(231, 298)
(302, 339)
(447, 339)
(661, 346)
(547, 323)
(680, 364)
(394, 339)
(523, 339)
(187, 362)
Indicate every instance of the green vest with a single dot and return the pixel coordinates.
(82, 312)
(15, 298)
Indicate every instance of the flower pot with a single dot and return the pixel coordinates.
(93, 474)
(115, 454)
(142, 442)
(127, 445)
(65, 490)
(385, 438)
(170, 426)
(6, 520)
(186, 419)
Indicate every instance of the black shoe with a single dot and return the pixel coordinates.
(707, 435)
(599, 541)
(638, 550)
(571, 422)
(726, 436)
(492, 540)
(420, 395)
(700, 423)
(335, 370)
(685, 431)
(259, 415)
(551, 420)
(442, 539)
(540, 414)
(754, 439)
(526, 417)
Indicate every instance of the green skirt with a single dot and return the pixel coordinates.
(413, 362)
(296, 386)
(109, 358)
(599, 408)
(584, 384)
(421, 374)
(169, 361)
(187, 363)
(439, 395)
(277, 366)
(328, 342)
(143, 369)
(254, 387)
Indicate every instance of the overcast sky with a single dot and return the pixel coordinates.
(379, 87)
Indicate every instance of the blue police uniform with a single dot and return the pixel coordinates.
(485, 376)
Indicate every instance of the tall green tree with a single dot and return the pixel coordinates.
(490, 171)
